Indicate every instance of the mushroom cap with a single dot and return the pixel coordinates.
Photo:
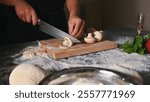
(98, 35)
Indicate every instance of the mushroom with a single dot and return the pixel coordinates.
(27, 74)
(89, 39)
(98, 35)
(67, 42)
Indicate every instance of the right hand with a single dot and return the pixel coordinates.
(26, 12)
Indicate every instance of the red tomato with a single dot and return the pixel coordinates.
(148, 45)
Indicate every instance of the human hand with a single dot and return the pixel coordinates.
(25, 12)
(76, 26)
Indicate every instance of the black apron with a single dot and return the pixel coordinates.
(51, 11)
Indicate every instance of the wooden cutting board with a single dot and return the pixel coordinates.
(52, 48)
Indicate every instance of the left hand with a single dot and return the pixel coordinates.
(76, 26)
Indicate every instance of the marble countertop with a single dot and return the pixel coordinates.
(11, 56)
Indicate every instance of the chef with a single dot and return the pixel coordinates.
(22, 19)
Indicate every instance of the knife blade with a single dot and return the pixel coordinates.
(55, 32)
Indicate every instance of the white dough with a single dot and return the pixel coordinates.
(26, 74)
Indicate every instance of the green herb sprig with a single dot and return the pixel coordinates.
(137, 45)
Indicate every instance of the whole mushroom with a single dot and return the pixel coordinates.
(98, 35)
(89, 39)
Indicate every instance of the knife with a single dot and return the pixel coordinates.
(55, 32)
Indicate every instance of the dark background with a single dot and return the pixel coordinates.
(3, 19)
(3, 23)
(104, 14)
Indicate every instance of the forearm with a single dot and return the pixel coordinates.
(73, 7)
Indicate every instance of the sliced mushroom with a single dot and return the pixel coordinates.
(66, 43)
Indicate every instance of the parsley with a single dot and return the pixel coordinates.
(137, 45)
